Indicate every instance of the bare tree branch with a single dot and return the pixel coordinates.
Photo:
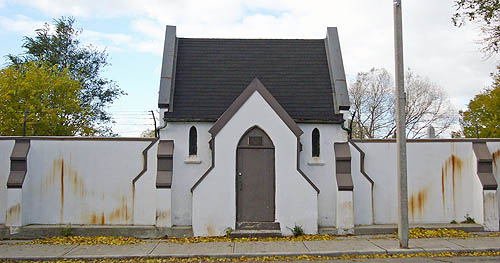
(372, 100)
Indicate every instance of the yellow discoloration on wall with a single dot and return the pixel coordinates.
(211, 230)
(162, 215)
(451, 167)
(443, 182)
(120, 214)
(496, 158)
(13, 215)
(66, 179)
(416, 203)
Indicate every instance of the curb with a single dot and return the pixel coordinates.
(266, 254)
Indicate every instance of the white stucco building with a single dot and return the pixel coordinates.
(251, 138)
(215, 92)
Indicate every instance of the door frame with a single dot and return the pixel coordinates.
(236, 170)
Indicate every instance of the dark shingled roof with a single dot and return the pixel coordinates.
(211, 73)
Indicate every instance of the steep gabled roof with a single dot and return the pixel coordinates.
(209, 74)
(255, 86)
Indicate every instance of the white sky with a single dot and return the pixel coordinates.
(433, 47)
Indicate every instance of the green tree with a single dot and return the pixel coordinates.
(484, 110)
(60, 47)
(487, 14)
(51, 96)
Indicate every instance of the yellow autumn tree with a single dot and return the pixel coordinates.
(51, 97)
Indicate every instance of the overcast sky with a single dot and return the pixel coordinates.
(132, 32)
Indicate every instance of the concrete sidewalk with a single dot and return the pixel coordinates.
(350, 245)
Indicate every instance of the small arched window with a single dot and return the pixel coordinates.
(315, 143)
(193, 141)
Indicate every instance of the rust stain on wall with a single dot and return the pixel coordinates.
(421, 199)
(77, 182)
(64, 174)
(97, 219)
(162, 215)
(67, 180)
(120, 214)
(416, 203)
(443, 182)
(62, 192)
(14, 213)
(454, 166)
(411, 206)
(496, 156)
(210, 230)
(133, 202)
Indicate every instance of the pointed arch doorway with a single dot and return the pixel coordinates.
(255, 178)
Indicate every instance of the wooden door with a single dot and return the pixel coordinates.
(255, 178)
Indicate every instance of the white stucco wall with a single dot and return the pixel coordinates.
(321, 170)
(362, 192)
(490, 199)
(186, 170)
(494, 148)
(442, 182)
(476, 194)
(214, 200)
(163, 207)
(345, 215)
(144, 194)
(88, 182)
(14, 213)
(6, 147)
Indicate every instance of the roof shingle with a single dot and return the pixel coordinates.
(211, 74)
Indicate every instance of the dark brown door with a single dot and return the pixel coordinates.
(255, 179)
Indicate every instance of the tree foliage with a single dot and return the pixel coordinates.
(373, 109)
(483, 110)
(487, 14)
(148, 133)
(51, 96)
(60, 47)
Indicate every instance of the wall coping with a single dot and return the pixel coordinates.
(77, 138)
(426, 140)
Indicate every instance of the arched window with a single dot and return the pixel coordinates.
(193, 141)
(315, 143)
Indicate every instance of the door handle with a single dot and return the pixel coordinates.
(239, 174)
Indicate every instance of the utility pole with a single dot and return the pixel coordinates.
(401, 129)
